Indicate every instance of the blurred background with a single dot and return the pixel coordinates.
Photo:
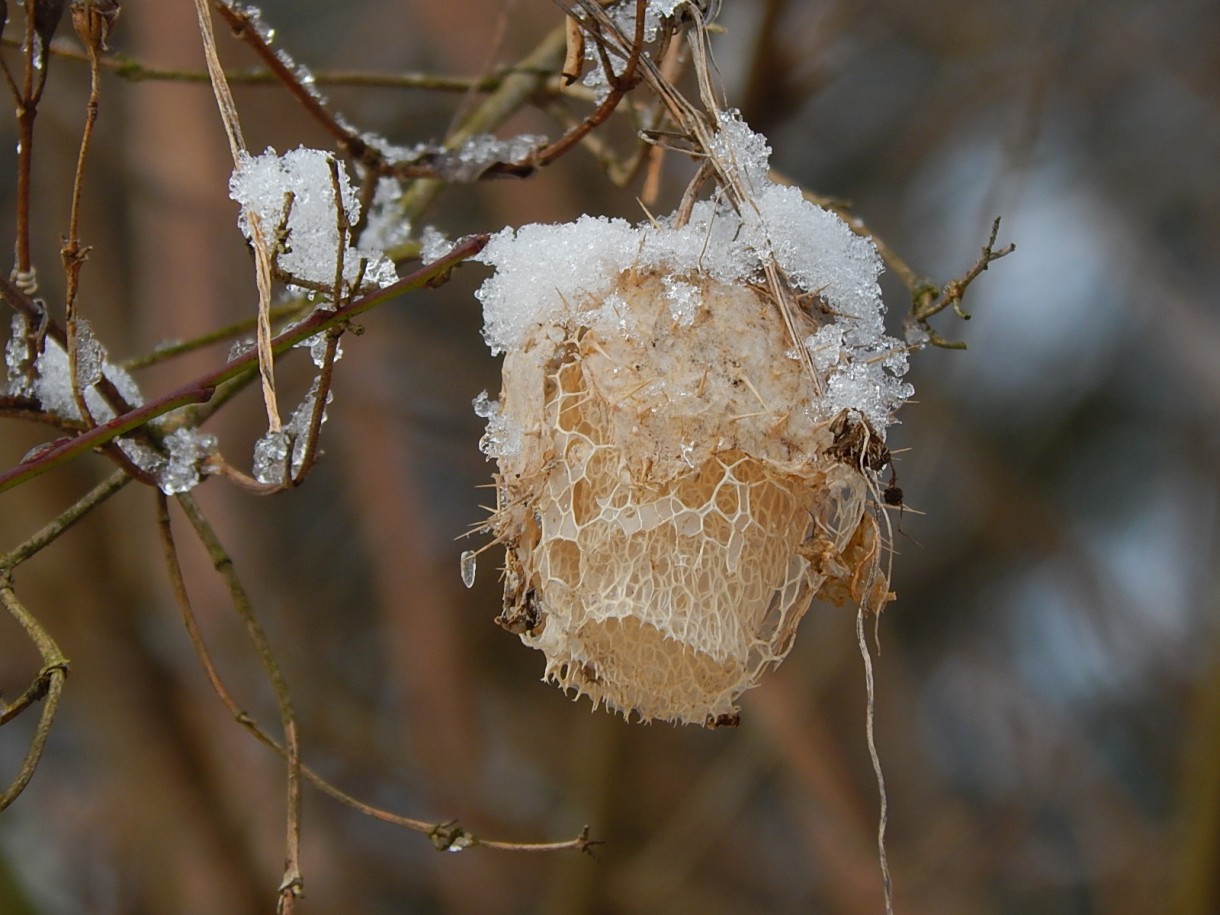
(1048, 711)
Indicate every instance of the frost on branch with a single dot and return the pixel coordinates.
(177, 465)
(623, 14)
(280, 455)
(300, 185)
(677, 479)
(48, 379)
(187, 449)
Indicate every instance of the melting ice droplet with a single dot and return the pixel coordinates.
(469, 559)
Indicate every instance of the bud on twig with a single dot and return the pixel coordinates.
(93, 20)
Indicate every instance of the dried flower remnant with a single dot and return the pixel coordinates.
(93, 21)
(674, 484)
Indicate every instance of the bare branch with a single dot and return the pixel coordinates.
(291, 886)
(444, 835)
(927, 301)
(47, 687)
(202, 389)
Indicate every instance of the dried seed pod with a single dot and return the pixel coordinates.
(676, 480)
(93, 21)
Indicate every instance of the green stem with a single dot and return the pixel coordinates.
(223, 564)
(49, 686)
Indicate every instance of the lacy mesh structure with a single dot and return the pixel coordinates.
(670, 505)
(688, 436)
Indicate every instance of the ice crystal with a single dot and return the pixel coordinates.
(317, 346)
(90, 354)
(16, 359)
(265, 184)
(187, 449)
(279, 456)
(433, 245)
(271, 457)
(503, 435)
(241, 347)
(469, 567)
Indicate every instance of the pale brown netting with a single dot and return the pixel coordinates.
(675, 505)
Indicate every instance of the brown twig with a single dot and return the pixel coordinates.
(247, 30)
(41, 20)
(444, 835)
(310, 452)
(373, 155)
(620, 85)
(136, 71)
(291, 885)
(525, 83)
(92, 22)
(928, 301)
(203, 388)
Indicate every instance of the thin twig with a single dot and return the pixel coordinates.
(91, 31)
(954, 290)
(169, 552)
(869, 727)
(203, 388)
(27, 97)
(526, 81)
(48, 686)
(64, 520)
(620, 85)
(321, 394)
(220, 84)
(291, 885)
(927, 299)
(264, 260)
(163, 352)
(440, 833)
(136, 71)
(246, 30)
